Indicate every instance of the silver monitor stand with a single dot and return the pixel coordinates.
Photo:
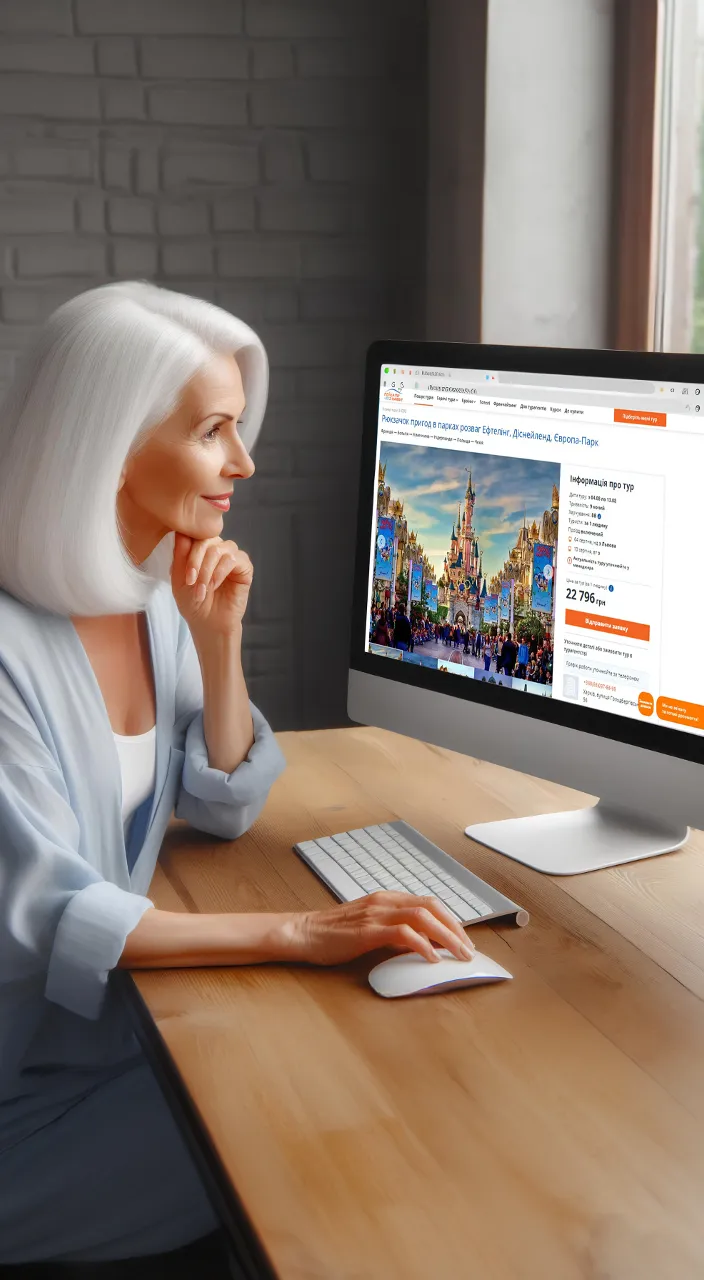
(569, 844)
(646, 795)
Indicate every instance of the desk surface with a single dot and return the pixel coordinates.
(548, 1127)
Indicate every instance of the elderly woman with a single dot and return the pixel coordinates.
(122, 699)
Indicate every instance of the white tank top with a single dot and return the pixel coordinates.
(138, 767)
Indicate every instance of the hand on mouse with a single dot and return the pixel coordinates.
(382, 919)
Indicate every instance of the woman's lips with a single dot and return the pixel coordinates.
(222, 504)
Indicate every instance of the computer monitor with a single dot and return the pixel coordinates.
(556, 497)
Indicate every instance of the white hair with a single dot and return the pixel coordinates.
(106, 368)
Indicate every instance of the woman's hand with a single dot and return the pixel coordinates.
(382, 919)
(210, 580)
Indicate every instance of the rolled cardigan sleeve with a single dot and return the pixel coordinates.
(59, 920)
(222, 804)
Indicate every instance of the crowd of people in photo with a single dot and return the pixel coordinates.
(525, 657)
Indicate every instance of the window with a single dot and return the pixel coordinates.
(678, 266)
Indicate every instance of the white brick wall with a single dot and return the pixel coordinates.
(268, 156)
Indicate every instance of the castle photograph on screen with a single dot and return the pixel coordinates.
(464, 565)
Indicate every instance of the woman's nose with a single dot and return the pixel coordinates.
(241, 461)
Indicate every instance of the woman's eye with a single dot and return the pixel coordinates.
(210, 435)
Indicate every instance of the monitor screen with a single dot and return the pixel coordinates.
(536, 534)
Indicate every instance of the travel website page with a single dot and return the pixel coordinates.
(539, 544)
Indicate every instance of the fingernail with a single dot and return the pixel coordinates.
(468, 952)
(201, 592)
(191, 577)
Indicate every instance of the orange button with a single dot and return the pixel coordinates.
(640, 417)
(609, 626)
(676, 711)
(646, 704)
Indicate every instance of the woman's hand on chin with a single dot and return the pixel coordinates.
(210, 580)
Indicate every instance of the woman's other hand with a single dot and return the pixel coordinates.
(384, 919)
(210, 580)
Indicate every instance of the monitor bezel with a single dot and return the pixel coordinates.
(651, 366)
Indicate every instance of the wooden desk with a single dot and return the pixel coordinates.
(552, 1127)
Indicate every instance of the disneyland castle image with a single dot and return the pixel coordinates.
(482, 554)
(463, 585)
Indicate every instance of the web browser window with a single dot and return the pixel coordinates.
(541, 533)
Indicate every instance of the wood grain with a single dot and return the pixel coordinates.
(551, 1127)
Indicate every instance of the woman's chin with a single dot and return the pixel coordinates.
(201, 529)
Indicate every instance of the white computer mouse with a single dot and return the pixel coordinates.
(410, 974)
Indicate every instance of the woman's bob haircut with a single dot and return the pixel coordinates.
(106, 368)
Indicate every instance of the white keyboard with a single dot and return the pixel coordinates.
(395, 856)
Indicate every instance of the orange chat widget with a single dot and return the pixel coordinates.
(676, 711)
(607, 626)
(640, 417)
(646, 704)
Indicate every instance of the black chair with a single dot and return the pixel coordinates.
(207, 1258)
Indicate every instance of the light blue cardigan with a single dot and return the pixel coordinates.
(75, 1091)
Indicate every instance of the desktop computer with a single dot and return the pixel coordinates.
(526, 586)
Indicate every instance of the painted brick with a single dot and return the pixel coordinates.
(58, 97)
(91, 212)
(257, 635)
(264, 661)
(343, 259)
(123, 100)
(306, 209)
(31, 304)
(188, 217)
(278, 699)
(332, 457)
(333, 384)
(231, 166)
(257, 301)
(36, 216)
(272, 61)
(130, 216)
(283, 158)
(205, 289)
(117, 168)
(283, 387)
(192, 106)
(15, 337)
(259, 258)
(312, 424)
(345, 158)
(54, 57)
(297, 104)
(343, 300)
(281, 304)
(289, 491)
(154, 17)
(236, 213)
(278, 19)
(195, 59)
(147, 170)
(116, 56)
(131, 258)
(49, 17)
(51, 161)
(333, 58)
(274, 460)
(186, 259)
(60, 259)
(271, 597)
